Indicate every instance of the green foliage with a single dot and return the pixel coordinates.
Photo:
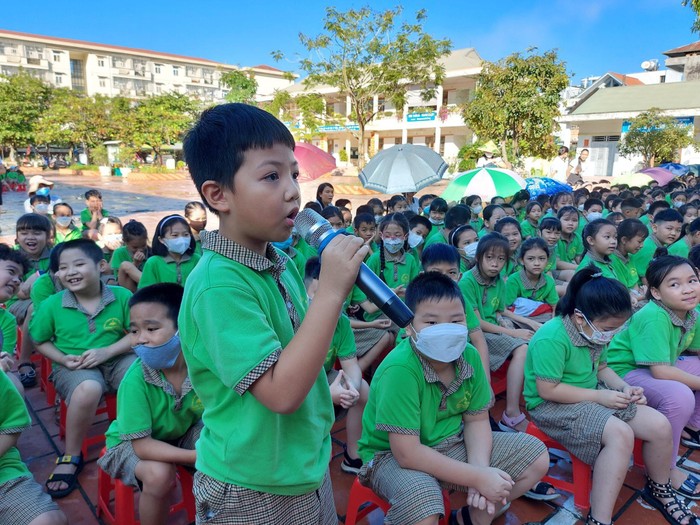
(654, 136)
(516, 102)
(242, 86)
(23, 100)
(343, 154)
(305, 110)
(364, 53)
(695, 6)
(98, 155)
(145, 168)
(180, 165)
(84, 167)
(468, 155)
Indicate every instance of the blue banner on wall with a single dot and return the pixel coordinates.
(421, 117)
(681, 121)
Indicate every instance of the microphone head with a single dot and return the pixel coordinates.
(312, 227)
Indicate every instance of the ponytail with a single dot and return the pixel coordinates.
(595, 296)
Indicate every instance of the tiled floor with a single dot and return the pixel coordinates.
(40, 444)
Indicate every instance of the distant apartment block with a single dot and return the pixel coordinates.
(109, 70)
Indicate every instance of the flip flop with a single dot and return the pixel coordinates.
(509, 424)
(28, 379)
(540, 492)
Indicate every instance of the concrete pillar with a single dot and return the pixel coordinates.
(438, 136)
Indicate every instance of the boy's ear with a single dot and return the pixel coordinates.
(103, 266)
(215, 195)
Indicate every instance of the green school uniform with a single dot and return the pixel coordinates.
(86, 216)
(557, 353)
(243, 442)
(14, 419)
(528, 230)
(305, 249)
(343, 344)
(643, 257)
(198, 247)
(147, 405)
(477, 224)
(645, 219)
(520, 214)
(8, 327)
(119, 256)
(72, 234)
(543, 290)
(166, 270)
(512, 266)
(582, 222)
(62, 320)
(568, 251)
(624, 270)
(435, 239)
(681, 247)
(482, 233)
(407, 397)
(552, 261)
(486, 297)
(45, 286)
(399, 271)
(656, 336)
(35, 265)
(436, 230)
(606, 267)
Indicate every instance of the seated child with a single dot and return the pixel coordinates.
(570, 245)
(600, 241)
(63, 222)
(348, 390)
(631, 234)
(288, 247)
(409, 453)
(575, 398)
(475, 204)
(492, 214)
(454, 218)
(465, 240)
(529, 226)
(665, 230)
(22, 501)
(196, 217)
(110, 237)
(40, 204)
(93, 213)
(436, 216)
(159, 415)
(365, 228)
(690, 239)
(689, 211)
(13, 264)
(420, 228)
(550, 231)
(128, 260)
(83, 331)
(48, 283)
(510, 229)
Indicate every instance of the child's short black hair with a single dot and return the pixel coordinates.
(88, 247)
(55, 256)
(342, 203)
(34, 221)
(36, 199)
(694, 256)
(167, 294)
(631, 228)
(332, 211)
(613, 216)
(492, 241)
(439, 253)
(658, 205)
(631, 204)
(505, 221)
(364, 208)
(157, 247)
(16, 256)
(363, 218)
(431, 287)
(93, 193)
(457, 216)
(542, 199)
(420, 219)
(459, 230)
(531, 205)
(531, 244)
(567, 210)
(314, 205)
(595, 296)
(550, 223)
(668, 216)
(426, 197)
(312, 269)
(215, 146)
(193, 206)
(439, 205)
(592, 202)
(64, 204)
(660, 266)
(133, 230)
(522, 195)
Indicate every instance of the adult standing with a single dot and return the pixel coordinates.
(324, 194)
(38, 185)
(579, 167)
(489, 158)
(560, 167)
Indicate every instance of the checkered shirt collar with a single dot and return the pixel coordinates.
(183, 258)
(529, 284)
(686, 324)
(480, 278)
(625, 259)
(597, 258)
(69, 300)
(157, 379)
(574, 335)
(657, 242)
(214, 241)
(464, 371)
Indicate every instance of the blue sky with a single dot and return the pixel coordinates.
(592, 36)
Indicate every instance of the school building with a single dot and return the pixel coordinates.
(435, 123)
(109, 70)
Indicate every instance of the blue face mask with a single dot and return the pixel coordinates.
(284, 245)
(426, 210)
(162, 356)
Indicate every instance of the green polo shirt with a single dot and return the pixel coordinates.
(482, 233)
(512, 266)
(558, 354)
(119, 256)
(35, 265)
(544, 290)
(624, 270)
(44, 287)
(167, 270)
(243, 442)
(14, 419)
(72, 234)
(582, 223)
(198, 247)
(681, 247)
(438, 238)
(396, 273)
(552, 261)
(343, 344)
(477, 224)
(407, 397)
(8, 326)
(306, 250)
(86, 216)
(568, 251)
(62, 320)
(488, 299)
(606, 268)
(643, 257)
(645, 219)
(656, 336)
(528, 230)
(162, 414)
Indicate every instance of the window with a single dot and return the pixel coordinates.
(159, 89)
(176, 71)
(59, 80)
(103, 82)
(56, 56)
(100, 62)
(157, 68)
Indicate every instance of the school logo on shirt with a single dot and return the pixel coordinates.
(197, 404)
(114, 325)
(465, 402)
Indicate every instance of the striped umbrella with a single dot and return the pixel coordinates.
(485, 182)
(403, 168)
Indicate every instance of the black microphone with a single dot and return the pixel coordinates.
(318, 232)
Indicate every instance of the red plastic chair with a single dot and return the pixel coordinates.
(359, 494)
(44, 383)
(124, 512)
(580, 485)
(109, 407)
(499, 379)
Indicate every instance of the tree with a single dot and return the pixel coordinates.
(23, 100)
(365, 53)
(303, 113)
(695, 6)
(516, 102)
(242, 86)
(654, 136)
(161, 120)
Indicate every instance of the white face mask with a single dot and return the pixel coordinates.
(476, 210)
(594, 215)
(580, 207)
(393, 245)
(599, 337)
(470, 249)
(177, 245)
(443, 342)
(64, 222)
(436, 222)
(414, 240)
(678, 204)
(42, 207)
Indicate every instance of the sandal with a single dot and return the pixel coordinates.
(466, 518)
(675, 510)
(590, 519)
(28, 379)
(509, 424)
(692, 442)
(540, 492)
(687, 489)
(69, 479)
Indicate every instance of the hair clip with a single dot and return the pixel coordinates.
(595, 275)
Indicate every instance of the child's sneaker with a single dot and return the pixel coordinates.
(349, 465)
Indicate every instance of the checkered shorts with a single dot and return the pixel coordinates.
(109, 374)
(22, 500)
(220, 503)
(500, 347)
(416, 495)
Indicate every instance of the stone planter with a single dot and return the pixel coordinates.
(105, 171)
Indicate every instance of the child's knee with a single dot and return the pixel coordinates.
(54, 517)
(618, 434)
(157, 477)
(86, 393)
(520, 352)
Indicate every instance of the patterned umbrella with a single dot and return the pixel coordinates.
(313, 161)
(403, 168)
(539, 185)
(485, 182)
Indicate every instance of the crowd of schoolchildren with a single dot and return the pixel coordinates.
(586, 301)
